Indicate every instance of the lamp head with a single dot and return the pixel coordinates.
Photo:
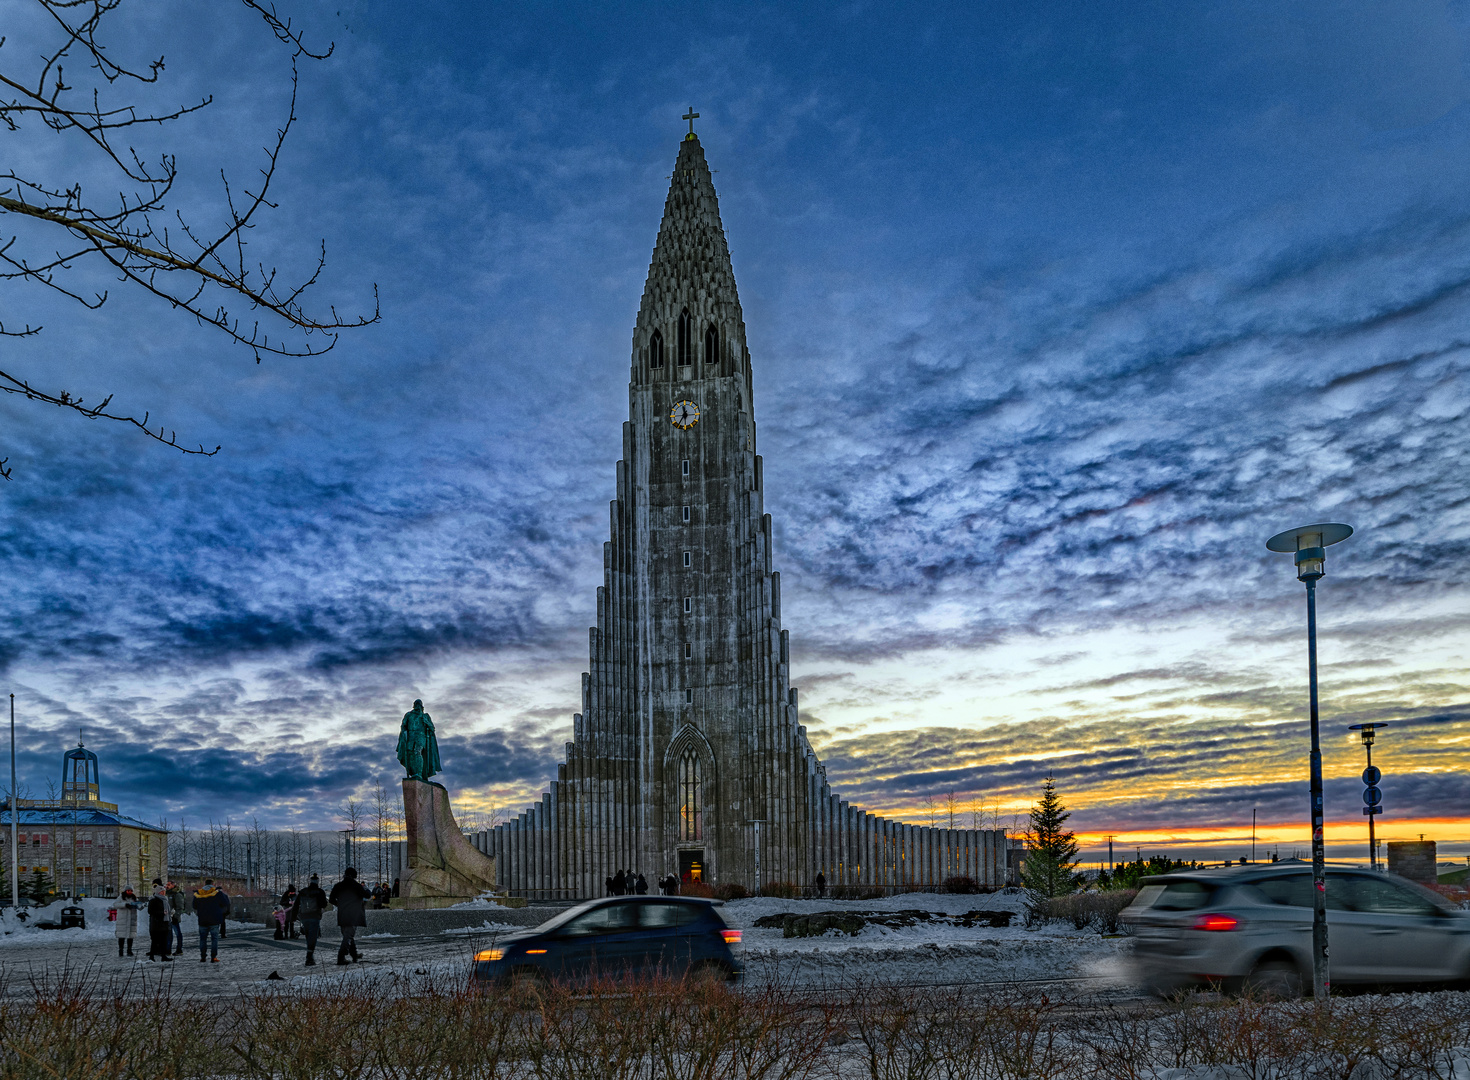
(1310, 543)
(1367, 730)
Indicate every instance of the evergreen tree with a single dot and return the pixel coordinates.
(40, 888)
(1050, 868)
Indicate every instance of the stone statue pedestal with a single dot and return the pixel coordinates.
(443, 867)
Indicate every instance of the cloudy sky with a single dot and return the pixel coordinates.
(1056, 313)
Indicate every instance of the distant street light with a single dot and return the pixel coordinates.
(1371, 795)
(1310, 544)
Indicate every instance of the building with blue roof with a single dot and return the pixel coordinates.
(82, 844)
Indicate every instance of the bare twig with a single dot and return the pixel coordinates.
(183, 267)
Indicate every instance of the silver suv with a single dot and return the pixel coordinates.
(1250, 928)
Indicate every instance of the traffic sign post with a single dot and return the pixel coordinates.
(1372, 794)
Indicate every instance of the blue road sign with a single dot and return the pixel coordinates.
(1371, 776)
(1372, 796)
(1372, 810)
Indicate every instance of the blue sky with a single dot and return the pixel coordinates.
(1055, 311)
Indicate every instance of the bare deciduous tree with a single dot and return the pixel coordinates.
(205, 271)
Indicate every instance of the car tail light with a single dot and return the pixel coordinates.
(1216, 922)
(732, 937)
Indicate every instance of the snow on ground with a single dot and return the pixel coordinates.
(926, 952)
(16, 932)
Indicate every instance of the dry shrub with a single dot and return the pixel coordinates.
(730, 891)
(855, 892)
(697, 888)
(959, 884)
(782, 890)
(694, 1029)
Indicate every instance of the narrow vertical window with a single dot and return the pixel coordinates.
(688, 696)
(688, 604)
(686, 515)
(685, 345)
(687, 559)
(688, 651)
(656, 350)
(691, 809)
(686, 466)
(711, 346)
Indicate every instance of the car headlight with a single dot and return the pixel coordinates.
(490, 954)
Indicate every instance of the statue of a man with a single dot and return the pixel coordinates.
(418, 749)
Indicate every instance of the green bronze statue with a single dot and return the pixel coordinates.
(418, 749)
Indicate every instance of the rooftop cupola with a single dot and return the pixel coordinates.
(79, 776)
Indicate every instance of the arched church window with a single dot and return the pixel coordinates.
(691, 806)
(685, 345)
(711, 346)
(656, 350)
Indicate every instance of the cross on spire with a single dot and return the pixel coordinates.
(691, 116)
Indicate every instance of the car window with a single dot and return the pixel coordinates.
(1383, 897)
(1295, 890)
(660, 915)
(604, 920)
(1147, 895)
(1289, 890)
(1184, 896)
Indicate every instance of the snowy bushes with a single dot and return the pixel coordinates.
(1090, 909)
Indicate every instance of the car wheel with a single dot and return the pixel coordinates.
(1275, 980)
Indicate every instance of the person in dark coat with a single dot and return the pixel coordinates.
(349, 897)
(309, 906)
(288, 901)
(211, 906)
(620, 883)
(160, 929)
(395, 888)
(175, 914)
(821, 883)
(641, 885)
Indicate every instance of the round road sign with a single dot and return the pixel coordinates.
(1372, 796)
(1371, 776)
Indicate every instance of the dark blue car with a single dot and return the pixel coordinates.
(617, 937)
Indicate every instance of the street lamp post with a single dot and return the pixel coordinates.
(1371, 776)
(1310, 544)
(14, 819)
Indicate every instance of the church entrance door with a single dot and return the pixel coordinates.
(691, 865)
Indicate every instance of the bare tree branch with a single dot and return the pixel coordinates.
(204, 272)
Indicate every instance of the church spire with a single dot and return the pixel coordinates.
(690, 290)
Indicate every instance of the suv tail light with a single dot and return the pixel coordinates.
(1215, 922)
(732, 937)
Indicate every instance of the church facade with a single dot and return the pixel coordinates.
(688, 756)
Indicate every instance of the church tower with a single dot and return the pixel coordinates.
(687, 757)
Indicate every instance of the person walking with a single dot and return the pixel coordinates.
(309, 906)
(127, 921)
(821, 883)
(349, 897)
(641, 885)
(288, 901)
(210, 905)
(175, 914)
(160, 937)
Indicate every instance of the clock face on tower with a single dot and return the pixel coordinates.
(685, 415)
